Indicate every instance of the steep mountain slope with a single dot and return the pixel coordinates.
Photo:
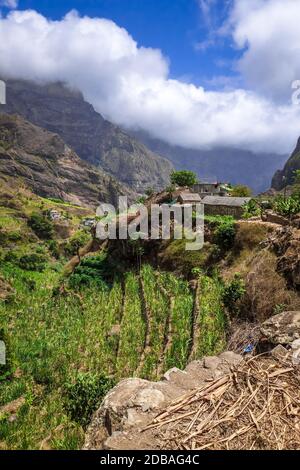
(285, 177)
(223, 164)
(49, 167)
(63, 111)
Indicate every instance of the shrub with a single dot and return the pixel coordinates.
(11, 257)
(33, 262)
(287, 206)
(183, 178)
(94, 270)
(232, 293)
(224, 235)
(84, 395)
(241, 190)
(251, 209)
(41, 226)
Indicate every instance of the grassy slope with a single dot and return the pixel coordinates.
(54, 336)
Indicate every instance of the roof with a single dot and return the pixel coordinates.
(190, 197)
(225, 201)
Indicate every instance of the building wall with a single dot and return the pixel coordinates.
(236, 212)
(206, 188)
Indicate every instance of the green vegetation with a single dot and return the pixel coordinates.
(183, 178)
(158, 307)
(176, 257)
(69, 339)
(62, 342)
(224, 234)
(241, 190)
(93, 270)
(181, 320)
(251, 209)
(33, 262)
(84, 395)
(232, 293)
(287, 206)
(41, 226)
(76, 242)
(132, 329)
(212, 319)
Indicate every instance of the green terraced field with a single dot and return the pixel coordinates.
(141, 326)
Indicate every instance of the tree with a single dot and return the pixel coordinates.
(241, 190)
(183, 178)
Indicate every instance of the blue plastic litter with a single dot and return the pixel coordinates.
(248, 349)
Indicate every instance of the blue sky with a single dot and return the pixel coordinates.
(174, 26)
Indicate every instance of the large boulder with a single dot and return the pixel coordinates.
(283, 328)
(133, 403)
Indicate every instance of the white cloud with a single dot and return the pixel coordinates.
(269, 29)
(9, 3)
(131, 84)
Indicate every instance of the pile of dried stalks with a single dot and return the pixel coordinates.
(256, 406)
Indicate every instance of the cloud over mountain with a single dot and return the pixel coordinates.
(130, 84)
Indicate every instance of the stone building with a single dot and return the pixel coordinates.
(218, 205)
(210, 189)
(189, 198)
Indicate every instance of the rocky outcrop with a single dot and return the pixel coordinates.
(283, 328)
(133, 403)
(59, 109)
(49, 167)
(273, 218)
(285, 177)
(286, 244)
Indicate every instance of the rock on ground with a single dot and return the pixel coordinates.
(133, 404)
(283, 328)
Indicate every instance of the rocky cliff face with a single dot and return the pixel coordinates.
(97, 141)
(49, 167)
(285, 177)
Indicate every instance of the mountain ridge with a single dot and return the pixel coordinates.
(49, 167)
(61, 110)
